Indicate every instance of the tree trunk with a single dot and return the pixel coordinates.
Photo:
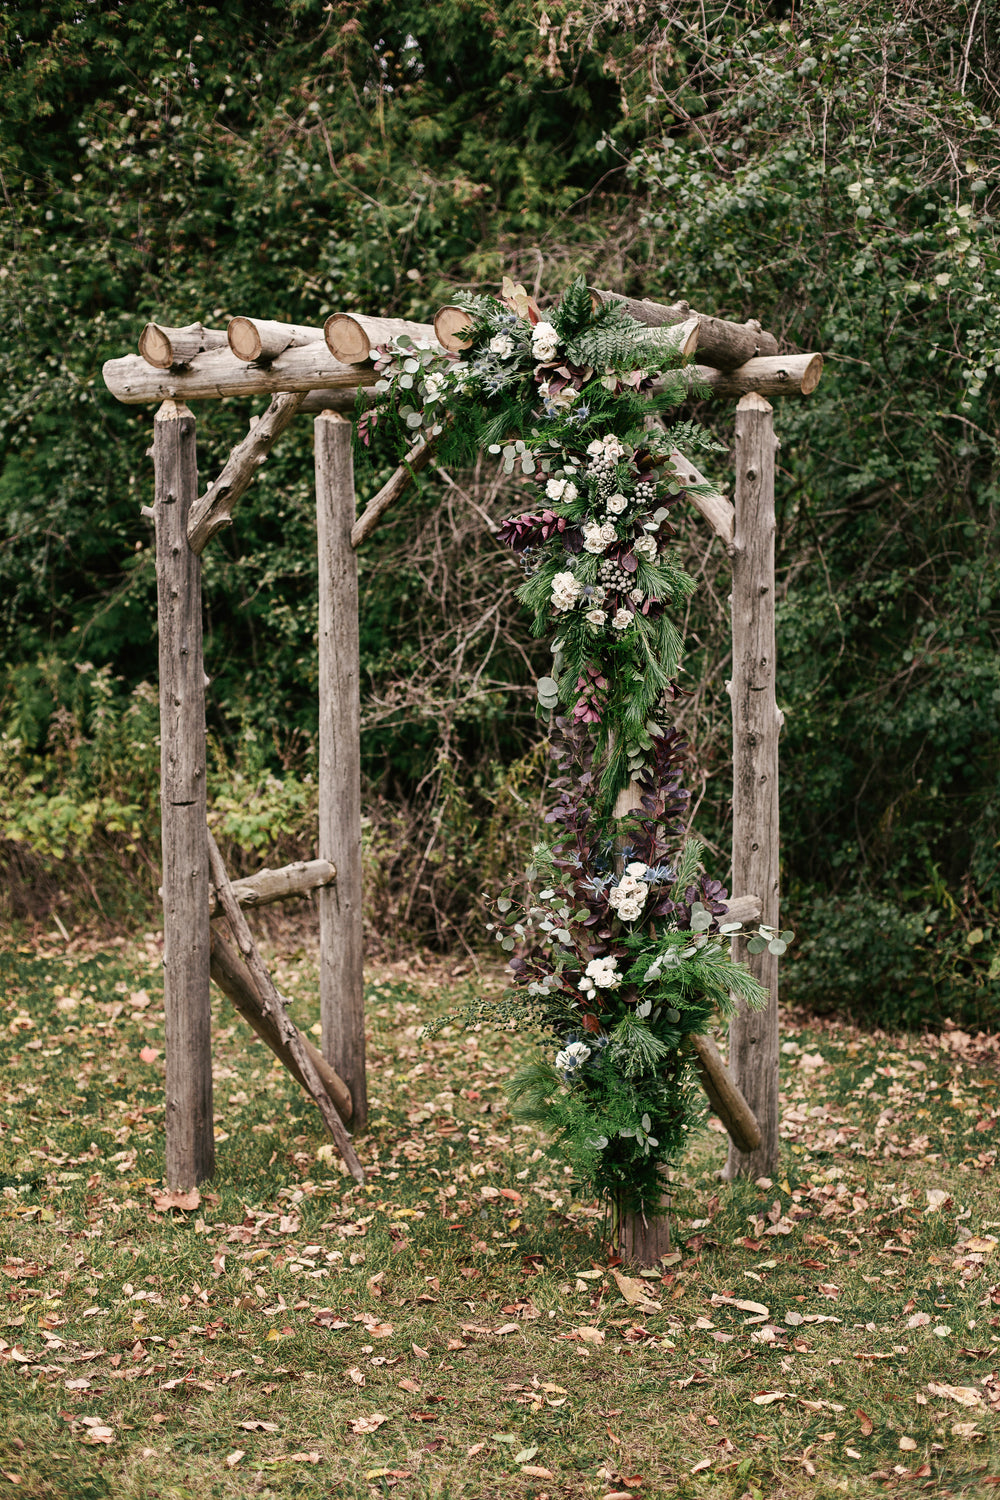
(190, 1139)
(341, 938)
(753, 1035)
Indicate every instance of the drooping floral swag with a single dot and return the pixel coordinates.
(620, 948)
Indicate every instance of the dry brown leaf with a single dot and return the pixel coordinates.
(412, 1386)
(965, 1395)
(186, 1202)
(235, 1457)
(259, 1426)
(867, 1425)
(768, 1398)
(635, 1293)
(907, 1445)
(703, 1463)
(356, 1375)
(420, 1353)
(589, 1335)
(537, 1472)
(361, 1425)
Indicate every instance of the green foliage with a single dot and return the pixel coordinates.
(831, 169)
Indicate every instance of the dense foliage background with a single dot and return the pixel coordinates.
(833, 169)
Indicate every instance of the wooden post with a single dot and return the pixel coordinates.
(341, 965)
(190, 1146)
(753, 1035)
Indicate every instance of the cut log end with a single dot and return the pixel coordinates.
(451, 327)
(346, 339)
(244, 340)
(154, 346)
(811, 375)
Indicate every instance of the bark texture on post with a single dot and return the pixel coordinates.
(341, 963)
(190, 1140)
(753, 1035)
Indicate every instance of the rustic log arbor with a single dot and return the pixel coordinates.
(320, 371)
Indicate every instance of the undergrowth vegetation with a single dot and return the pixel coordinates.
(832, 170)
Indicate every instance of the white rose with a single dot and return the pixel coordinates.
(646, 547)
(435, 384)
(622, 620)
(502, 344)
(616, 504)
(596, 447)
(596, 617)
(636, 596)
(544, 333)
(570, 492)
(637, 870)
(629, 910)
(565, 591)
(598, 538)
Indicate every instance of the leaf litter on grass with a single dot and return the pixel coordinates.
(466, 1287)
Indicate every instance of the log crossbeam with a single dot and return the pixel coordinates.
(268, 886)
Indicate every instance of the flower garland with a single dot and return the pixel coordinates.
(618, 951)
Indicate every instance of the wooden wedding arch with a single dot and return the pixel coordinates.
(318, 371)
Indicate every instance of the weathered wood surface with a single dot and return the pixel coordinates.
(716, 509)
(268, 886)
(166, 348)
(451, 325)
(237, 983)
(353, 337)
(219, 373)
(263, 338)
(273, 1007)
(190, 1139)
(342, 1005)
(213, 512)
(720, 344)
(753, 1035)
(771, 375)
(397, 483)
(724, 1095)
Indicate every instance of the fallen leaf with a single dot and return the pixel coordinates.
(356, 1375)
(589, 1335)
(536, 1472)
(965, 1395)
(918, 1320)
(476, 1448)
(235, 1457)
(703, 1463)
(149, 1055)
(360, 1425)
(187, 1202)
(526, 1455)
(867, 1425)
(412, 1386)
(635, 1293)
(966, 1430)
(743, 1305)
(767, 1398)
(907, 1445)
(311, 1457)
(259, 1426)
(420, 1353)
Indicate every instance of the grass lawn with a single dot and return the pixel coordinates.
(454, 1328)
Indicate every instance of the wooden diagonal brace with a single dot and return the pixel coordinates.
(274, 1008)
(236, 982)
(724, 1095)
(213, 511)
(376, 508)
